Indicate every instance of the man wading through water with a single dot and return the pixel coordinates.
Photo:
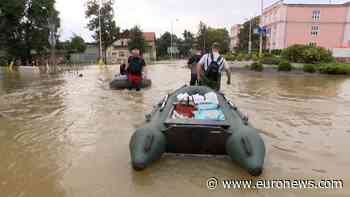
(135, 67)
(210, 67)
(192, 64)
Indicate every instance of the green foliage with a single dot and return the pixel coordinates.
(270, 60)
(284, 65)
(207, 36)
(335, 68)
(276, 52)
(26, 26)
(310, 68)
(247, 57)
(255, 57)
(240, 57)
(307, 54)
(109, 30)
(77, 44)
(244, 36)
(230, 57)
(163, 43)
(185, 45)
(257, 66)
(136, 39)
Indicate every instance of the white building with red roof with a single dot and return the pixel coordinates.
(118, 52)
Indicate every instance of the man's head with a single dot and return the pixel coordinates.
(197, 49)
(215, 47)
(135, 51)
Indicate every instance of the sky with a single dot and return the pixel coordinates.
(160, 15)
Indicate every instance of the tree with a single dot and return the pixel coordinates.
(207, 36)
(77, 44)
(202, 36)
(164, 42)
(136, 39)
(244, 35)
(109, 30)
(26, 26)
(220, 36)
(186, 44)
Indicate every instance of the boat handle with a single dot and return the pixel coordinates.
(148, 143)
(247, 146)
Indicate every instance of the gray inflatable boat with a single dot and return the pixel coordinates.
(163, 134)
(119, 83)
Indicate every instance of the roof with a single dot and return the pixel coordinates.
(149, 36)
(281, 2)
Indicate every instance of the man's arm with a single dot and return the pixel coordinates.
(199, 67)
(228, 72)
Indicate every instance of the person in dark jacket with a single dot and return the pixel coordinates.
(192, 64)
(135, 68)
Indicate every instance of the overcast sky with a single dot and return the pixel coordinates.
(156, 15)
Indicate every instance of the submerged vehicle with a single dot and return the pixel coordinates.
(120, 83)
(227, 134)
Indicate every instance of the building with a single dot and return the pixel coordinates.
(234, 36)
(90, 55)
(118, 52)
(326, 25)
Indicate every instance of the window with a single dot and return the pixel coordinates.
(121, 54)
(114, 54)
(313, 44)
(315, 29)
(316, 15)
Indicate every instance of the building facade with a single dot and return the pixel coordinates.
(326, 25)
(234, 36)
(118, 52)
(90, 55)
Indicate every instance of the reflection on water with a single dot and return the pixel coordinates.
(65, 135)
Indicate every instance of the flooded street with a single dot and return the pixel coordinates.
(66, 136)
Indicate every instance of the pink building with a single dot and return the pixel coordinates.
(326, 25)
(234, 36)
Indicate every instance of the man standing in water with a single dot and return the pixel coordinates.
(135, 67)
(210, 67)
(192, 64)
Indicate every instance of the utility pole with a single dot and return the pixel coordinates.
(261, 32)
(250, 37)
(171, 40)
(100, 29)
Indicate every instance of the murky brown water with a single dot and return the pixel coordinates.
(65, 136)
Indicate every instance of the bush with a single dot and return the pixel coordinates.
(307, 54)
(240, 57)
(3, 61)
(335, 68)
(284, 65)
(230, 57)
(276, 51)
(257, 66)
(270, 60)
(309, 68)
(255, 57)
(247, 57)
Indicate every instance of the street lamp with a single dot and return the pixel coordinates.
(250, 36)
(261, 32)
(171, 38)
(100, 30)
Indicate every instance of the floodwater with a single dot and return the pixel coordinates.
(67, 136)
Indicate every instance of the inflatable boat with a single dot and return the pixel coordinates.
(230, 134)
(121, 82)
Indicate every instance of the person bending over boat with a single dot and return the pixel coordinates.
(210, 67)
(135, 67)
(192, 64)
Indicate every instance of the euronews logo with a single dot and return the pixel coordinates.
(213, 183)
